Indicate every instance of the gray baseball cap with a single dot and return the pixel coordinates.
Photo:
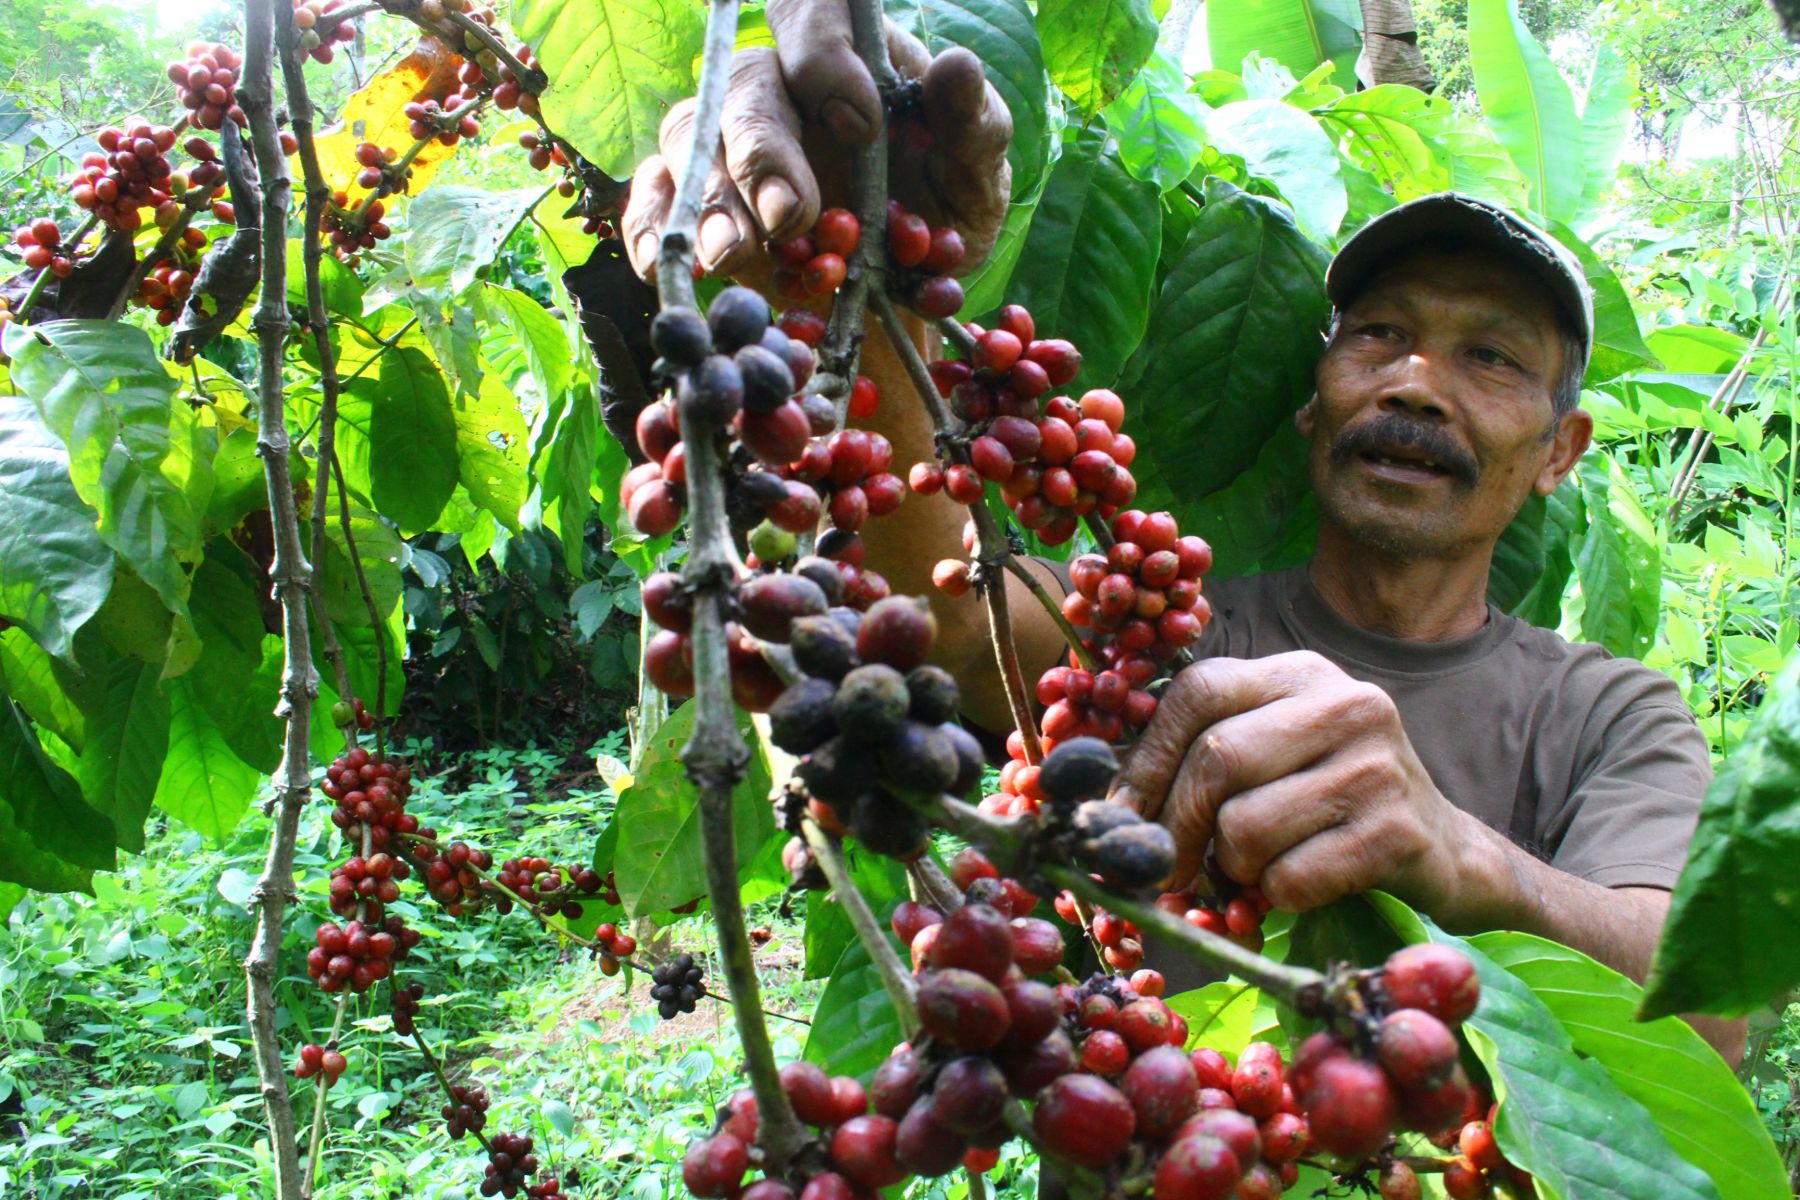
(1455, 218)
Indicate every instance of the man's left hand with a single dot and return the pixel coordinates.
(1300, 777)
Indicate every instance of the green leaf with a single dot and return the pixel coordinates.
(1299, 34)
(1376, 129)
(538, 335)
(1606, 113)
(492, 450)
(140, 461)
(55, 570)
(1222, 1015)
(203, 784)
(233, 681)
(881, 880)
(378, 550)
(985, 289)
(1263, 520)
(50, 840)
(1243, 309)
(1618, 345)
(854, 1027)
(127, 711)
(566, 470)
(1090, 258)
(453, 233)
(1528, 105)
(1562, 1117)
(1534, 559)
(1093, 48)
(411, 447)
(30, 675)
(1286, 146)
(1694, 1097)
(658, 864)
(616, 67)
(1159, 123)
(1697, 349)
(1002, 34)
(1619, 563)
(1732, 939)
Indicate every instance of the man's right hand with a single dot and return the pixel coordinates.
(794, 117)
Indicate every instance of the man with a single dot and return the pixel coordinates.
(1367, 721)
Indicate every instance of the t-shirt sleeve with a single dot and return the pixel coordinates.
(1628, 820)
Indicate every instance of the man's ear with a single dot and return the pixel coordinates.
(1574, 433)
(1308, 413)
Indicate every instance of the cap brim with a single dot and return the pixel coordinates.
(1453, 218)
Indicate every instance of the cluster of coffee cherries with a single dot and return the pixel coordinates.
(1477, 1165)
(453, 874)
(542, 151)
(167, 286)
(356, 880)
(430, 119)
(406, 1007)
(814, 263)
(353, 228)
(676, 986)
(547, 889)
(1228, 909)
(356, 955)
(921, 258)
(378, 173)
(510, 1165)
(307, 14)
(837, 1107)
(41, 244)
(131, 172)
(874, 722)
(206, 84)
(484, 71)
(466, 1109)
(371, 791)
(613, 945)
(315, 1059)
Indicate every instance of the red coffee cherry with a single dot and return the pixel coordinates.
(1436, 978)
(968, 1095)
(923, 1146)
(1229, 1126)
(808, 1089)
(863, 1149)
(1197, 1167)
(1417, 1049)
(1086, 1118)
(961, 1008)
(1350, 1106)
(897, 631)
(975, 938)
(1463, 1180)
(1104, 1053)
(1162, 1088)
(1256, 1083)
(714, 1166)
(1399, 1182)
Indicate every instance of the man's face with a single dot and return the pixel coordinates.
(1433, 400)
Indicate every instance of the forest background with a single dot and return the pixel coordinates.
(122, 1071)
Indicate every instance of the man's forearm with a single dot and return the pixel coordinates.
(1508, 888)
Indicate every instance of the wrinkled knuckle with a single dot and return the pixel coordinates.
(675, 125)
(1365, 705)
(1220, 759)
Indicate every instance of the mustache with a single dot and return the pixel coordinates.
(1392, 431)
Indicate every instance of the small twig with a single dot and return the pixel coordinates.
(445, 120)
(990, 543)
(37, 289)
(327, 25)
(894, 975)
(317, 1145)
(1103, 536)
(437, 1068)
(164, 244)
(977, 1183)
(1303, 988)
(1050, 606)
(532, 79)
(368, 596)
(930, 882)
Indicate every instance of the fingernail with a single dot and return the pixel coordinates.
(775, 203)
(718, 234)
(846, 121)
(1123, 794)
(647, 246)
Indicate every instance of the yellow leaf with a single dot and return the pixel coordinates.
(375, 113)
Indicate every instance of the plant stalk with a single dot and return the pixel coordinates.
(715, 756)
(292, 576)
(895, 978)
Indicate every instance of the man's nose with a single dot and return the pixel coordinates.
(1415, 385)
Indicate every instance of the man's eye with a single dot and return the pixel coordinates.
(1491, 356)
(1378, 330)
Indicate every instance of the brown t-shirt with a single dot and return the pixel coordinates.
(1593, 763)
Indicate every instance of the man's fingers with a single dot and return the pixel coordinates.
(906, 52)
(728, 235)
(970, 120)
(1199, 697)
(1255, 827)
(1319, 870)
(652, 194)
(763, 155)
(824, 75)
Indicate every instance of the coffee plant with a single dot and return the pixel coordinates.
(344, 382)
